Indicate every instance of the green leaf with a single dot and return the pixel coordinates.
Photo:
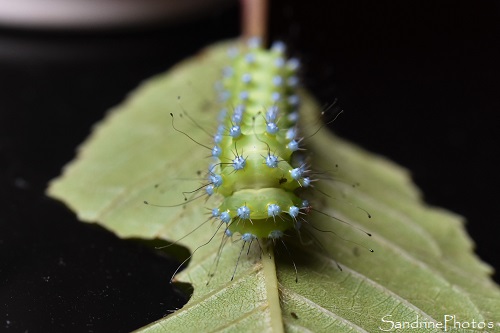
(423, 267)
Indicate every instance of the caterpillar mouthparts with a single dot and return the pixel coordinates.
(257, 135)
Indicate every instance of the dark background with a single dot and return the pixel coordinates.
(418, 82)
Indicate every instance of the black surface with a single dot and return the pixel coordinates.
(418, 83)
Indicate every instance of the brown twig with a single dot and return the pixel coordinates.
(254, 18)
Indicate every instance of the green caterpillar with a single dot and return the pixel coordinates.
(253, 147)
(257, 173)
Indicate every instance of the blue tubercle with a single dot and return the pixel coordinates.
(239, 163)
(216, 180)
(216, 151)
(248, 237)
(293, 145)
(273, 210)
(294, 211)
(225, 217)
(243, 212)
(272, 128)
(235, 131)
(272, 161)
